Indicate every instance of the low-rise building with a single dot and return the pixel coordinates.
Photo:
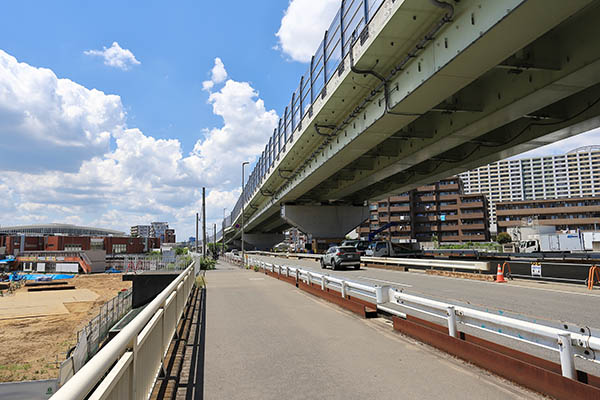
(566, 214)
(170, 236)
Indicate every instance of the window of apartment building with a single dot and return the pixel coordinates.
(383, 204)
(72, 247)
(119, 248)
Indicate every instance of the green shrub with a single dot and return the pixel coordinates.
(206, 263)
(503, 238)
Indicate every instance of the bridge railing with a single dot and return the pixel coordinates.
(347, 27)
(569, 340)
(128, 365)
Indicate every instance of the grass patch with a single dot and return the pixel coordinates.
(15, 367)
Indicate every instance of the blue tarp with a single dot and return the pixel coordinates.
(113, 271)
(33, 277)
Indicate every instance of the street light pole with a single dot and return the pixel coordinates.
(243, 201)
(223, 235)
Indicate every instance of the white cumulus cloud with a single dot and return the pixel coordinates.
(115, 56)
(303, 25)
(55, 122)
(48, 123)
(246, 128)
(218, 74)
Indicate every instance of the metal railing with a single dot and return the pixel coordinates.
(569, 340)
(128, 365)
(347, 27)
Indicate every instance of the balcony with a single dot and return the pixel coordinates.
(425, 229)
(423, 209)
(432, 218)
(474, 204)
(449, 228)
(398, 218)
(425, 198)
(452, 186)
(472, 227)
(473, 238)
(476, 215)
(447, 197)
(448, 207)
(448, 217)
(399, 208)
(399, 199)
(451, 238)
(428, 188)
(547, 210)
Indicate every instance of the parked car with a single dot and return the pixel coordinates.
(281, 247)
(360, 245)
(341, 256)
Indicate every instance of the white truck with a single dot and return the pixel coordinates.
(555, 242)
(384, 248)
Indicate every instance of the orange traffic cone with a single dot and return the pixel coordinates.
(500, 275)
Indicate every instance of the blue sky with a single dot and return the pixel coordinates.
(176, 46)
(116, 113)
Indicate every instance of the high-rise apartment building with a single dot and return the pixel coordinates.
(440, 209)
(140, 231)
(575, 174)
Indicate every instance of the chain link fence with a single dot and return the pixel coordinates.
(94, 334)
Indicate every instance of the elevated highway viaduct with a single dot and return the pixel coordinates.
(424, 90)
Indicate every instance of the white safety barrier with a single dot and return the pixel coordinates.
(343, 286)
(287, 254)
(570, 341)
(429, 263)
(128, 365)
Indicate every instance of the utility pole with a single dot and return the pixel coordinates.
(243, 201)
(215, 238)
(196, 232)
(203, 222)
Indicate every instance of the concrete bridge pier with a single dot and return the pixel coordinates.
(325, 221)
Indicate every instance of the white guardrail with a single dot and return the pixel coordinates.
(430, 263)
(128, 365)
(570, 340)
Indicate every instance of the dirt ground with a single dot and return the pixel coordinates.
(32, 348)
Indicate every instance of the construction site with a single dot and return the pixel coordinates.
(40, 321)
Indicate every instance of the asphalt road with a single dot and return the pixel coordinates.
(534, 299)
(266, 339)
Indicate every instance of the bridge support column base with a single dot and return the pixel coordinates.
(325, 222)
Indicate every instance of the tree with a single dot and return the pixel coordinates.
(503, 238)
(180, 251)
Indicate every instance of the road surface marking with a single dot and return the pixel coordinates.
(381, 280)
